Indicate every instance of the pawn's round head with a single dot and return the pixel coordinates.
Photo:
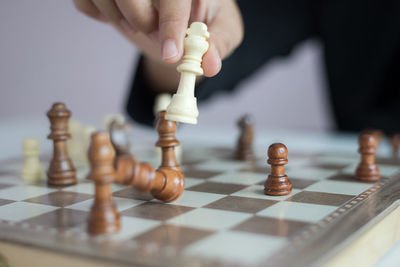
(366, 139)
(277, 150)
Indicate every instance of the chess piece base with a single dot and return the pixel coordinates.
(61, 178)
(278, 186)
(367, 173)
(182, 109)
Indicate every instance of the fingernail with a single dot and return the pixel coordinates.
(127, 27)
(169, 49)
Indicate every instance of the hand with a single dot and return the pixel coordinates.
(158, 27)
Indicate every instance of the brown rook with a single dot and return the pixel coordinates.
(103, 217)
(61, 170)
(277, 184)
(367, 169)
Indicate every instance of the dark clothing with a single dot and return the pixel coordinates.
(361, 42)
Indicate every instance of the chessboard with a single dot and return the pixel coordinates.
(223, 218)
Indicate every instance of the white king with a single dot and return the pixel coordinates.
(183, 107)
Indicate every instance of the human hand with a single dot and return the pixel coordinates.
(158, 27)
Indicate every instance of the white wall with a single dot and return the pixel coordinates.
(50, 52)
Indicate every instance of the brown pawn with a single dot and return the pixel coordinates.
(367, 169)
(395, 145)
(61, 170)
(277, 184)
(167, 141)
(244, 146)
(103, 217)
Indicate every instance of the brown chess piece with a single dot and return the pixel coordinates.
(167, 182)
(277, 184)
(367, 169)
(244, 146)
(395, 145)
(167, 141)
(61, 170)
(103, 217)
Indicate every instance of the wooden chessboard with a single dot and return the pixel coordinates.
(222, 218)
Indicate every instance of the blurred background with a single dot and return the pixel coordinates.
(51, 52)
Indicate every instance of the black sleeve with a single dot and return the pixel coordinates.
(272, 28)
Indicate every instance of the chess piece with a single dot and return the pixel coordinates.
(395, 140)
(161, 103)
(109, 118)
(183, 106)
(167, 182)
(32, 170)
(75, 143)
(244, 147)
(86, 134)
(119, 137)
(167, 141)
(61, 170)
(104, 217)
(378, 134)
(277, 184)
(367, 169)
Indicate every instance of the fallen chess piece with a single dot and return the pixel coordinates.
(32, 170)
(165, 184)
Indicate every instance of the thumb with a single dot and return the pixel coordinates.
(173, 21)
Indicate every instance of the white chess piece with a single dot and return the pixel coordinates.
(161, 103)
(32, 170)
(87, 132)
(183, 107)
(75, 143)
(108, 119)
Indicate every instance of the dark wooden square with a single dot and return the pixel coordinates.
(60, 198)
(301, 183)
(217, 188)
(133, 194)
(193, 173)
(171, 235)
(61, 218)
(271, 226)
(320, 198)
(156, 211)
(241, 204)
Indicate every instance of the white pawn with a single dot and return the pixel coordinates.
(86, 134)
(109, 118)
(75, 143)
(183, 107)
(32, 170)
(161, 103)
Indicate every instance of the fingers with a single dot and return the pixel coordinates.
(140, 14)
(110, 10)
(173, 22)
(226, 32)
(87, 7)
